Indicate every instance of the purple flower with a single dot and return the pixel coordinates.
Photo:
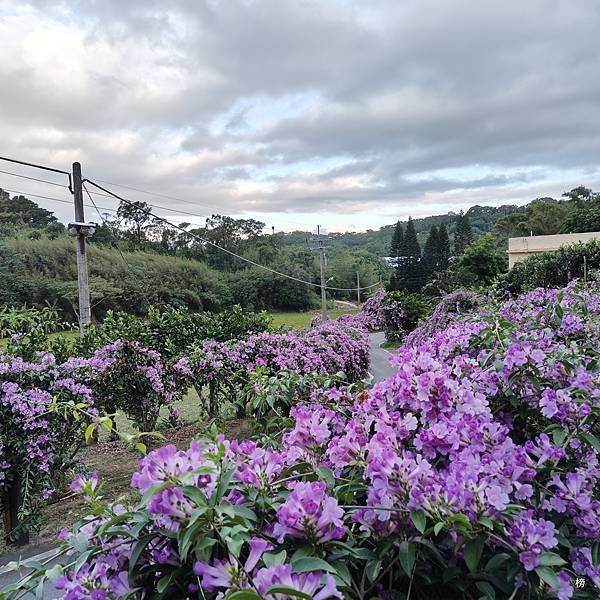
(307, 583)
(310, 513)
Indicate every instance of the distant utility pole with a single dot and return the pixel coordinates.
(80, 230)
(322, 260)
(358, 287)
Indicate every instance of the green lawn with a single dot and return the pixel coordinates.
(298, 320)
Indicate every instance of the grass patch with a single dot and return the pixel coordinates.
(301, 320)
(390, 345)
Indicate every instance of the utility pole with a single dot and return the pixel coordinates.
(358, 287)
(322, 260)
(85, 314)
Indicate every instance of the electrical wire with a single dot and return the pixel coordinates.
(166, 196)
(114, 244)
(35, 179)
(42, 167)
(243, 258)
(52, 199)
(175, 210)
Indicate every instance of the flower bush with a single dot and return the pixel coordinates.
(371, 313)
(128, 377)
(401, 312)
(450, 309)
(225, 368)
(470, 473)
(44, 412)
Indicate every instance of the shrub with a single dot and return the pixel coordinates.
(128, 377)
(340, 345)
(452, 308)
(401, 313)
(172, 331)
(44, 412)
(552, 269)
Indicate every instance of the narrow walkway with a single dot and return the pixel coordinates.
(380, 368)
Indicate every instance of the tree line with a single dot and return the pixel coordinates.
(471, 260)
(136, 260)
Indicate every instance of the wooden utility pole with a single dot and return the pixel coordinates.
(85, 314)
(322, 260)
(358, 287)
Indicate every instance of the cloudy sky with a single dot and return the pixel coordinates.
(298, 112)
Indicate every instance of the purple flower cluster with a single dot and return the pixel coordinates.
(36, 438)
(331, 347)
(309, 513)
(451, 309)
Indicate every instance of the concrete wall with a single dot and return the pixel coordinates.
(521, 248)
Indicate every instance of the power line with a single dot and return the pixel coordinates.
(159, 195)
(114, 242)
(37, 166)
(35, 179)
(52, 199)
(205, 241)
(175, 210)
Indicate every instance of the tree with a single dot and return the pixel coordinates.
(137, 216)
(443, 250)
(229, 233)
(482, 261)
(586, 216)
(409, 272)
(542, 216)
(463, 236)
(19, 210)
(582, 196)
(397, 241)
(582, 220)
(430, 262)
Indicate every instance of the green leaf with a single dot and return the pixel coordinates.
(592, 440)
(550, 559)
(486, 522)
(194, 494)
(596, 554)
(419, 520)
(165, 582)
(496, 561)
(80, 542)
(407, 556)
(473, 550)
(224, 482)
(486, 589)
(243, 595)
(372, 569)
(438, 527)
(327, 476)
(139, 547)
(547, 575)
(89, 432)
(286, 591)
(558, 436)
(271, 559)
(311, 563)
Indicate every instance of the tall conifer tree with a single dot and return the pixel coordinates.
(397, 240)
(443, 247)
(463, 236)
(431, 253)
(409, 275)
